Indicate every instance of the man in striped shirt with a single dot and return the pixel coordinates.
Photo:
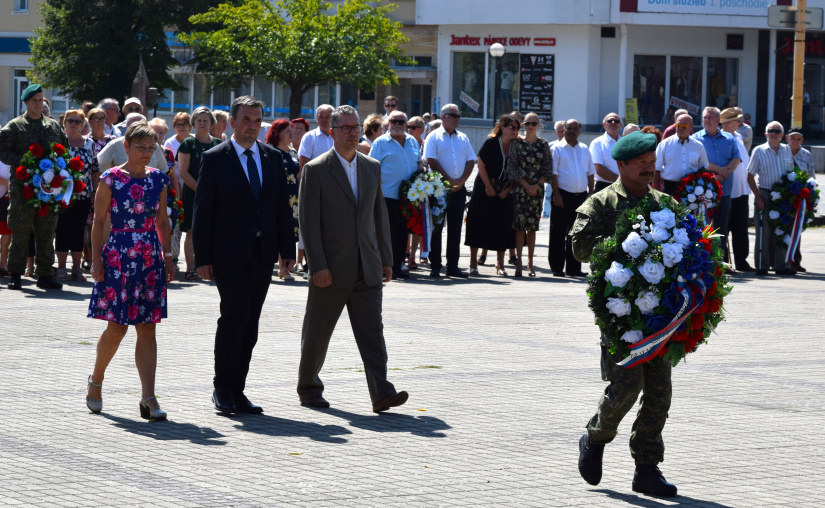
(805, 161)
(768, 161)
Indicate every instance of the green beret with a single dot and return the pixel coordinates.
(633, 145)
(29, 92)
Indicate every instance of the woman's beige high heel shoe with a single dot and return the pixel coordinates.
(94, 405)
(151, 414)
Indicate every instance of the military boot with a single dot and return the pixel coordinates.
(48, 282)
(649, 480)
(590, 460)
(14, 283)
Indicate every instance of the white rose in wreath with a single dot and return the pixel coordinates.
(709, 194)
(618, 306)
(812, 182)
(693, 206)
(633, 336)
(779, 232)
(671, 254)
(680, 236)
(652, 271)
(660, 234)
(775, 196)
(618, 275)
(791, 176)
(634, 245)
(787, 239)
(647, 302)
(699, 190)
(691, 198)
(773, 214)
(663, 218)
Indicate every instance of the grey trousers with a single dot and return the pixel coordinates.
(324, 307)
(766, 252)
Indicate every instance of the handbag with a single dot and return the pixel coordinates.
(4, 207)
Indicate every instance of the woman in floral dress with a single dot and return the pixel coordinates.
(529, 168)
(280, 136)
(131, 270)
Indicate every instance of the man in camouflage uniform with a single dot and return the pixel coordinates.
(595, 222)
(15, 139)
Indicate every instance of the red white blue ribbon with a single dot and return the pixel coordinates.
(796, 231)
(427, 218)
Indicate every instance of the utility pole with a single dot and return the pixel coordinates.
(798, 64)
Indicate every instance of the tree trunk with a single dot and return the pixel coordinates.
(296, 93)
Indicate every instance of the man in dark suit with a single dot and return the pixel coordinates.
(346, 233)
(242, 222)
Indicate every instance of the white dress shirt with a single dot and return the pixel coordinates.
(740, 174)
(351, 169)
(315, 143)
(600, 153)
(676, 159)
(452, 151)
(256, 155)
(114, 154)
(572, 165)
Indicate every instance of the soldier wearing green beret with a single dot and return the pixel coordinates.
(15, 139)
(595, 222)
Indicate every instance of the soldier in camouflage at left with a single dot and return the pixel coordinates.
(595, 222)
(15, 139)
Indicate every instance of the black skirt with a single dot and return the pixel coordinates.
(489, 220)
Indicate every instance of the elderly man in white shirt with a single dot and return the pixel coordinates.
(607, 171)
(573, 180)
(805, 160)
(114, 153)
(678, 156)
(318, 141)
(450, 153)
(739, 195)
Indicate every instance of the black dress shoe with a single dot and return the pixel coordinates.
(649, 480)
(48, 282)
(778, 272)
(761, 272)
(435, 272)
(576, 274)
(317, 402)
(745, 268)
(15, 283)
(513, 261)
(457, 273)
(400, 275)
(394, 400)
(224, 402)
(242, 404)
(590, 460)
(558, 274)
(799, 268)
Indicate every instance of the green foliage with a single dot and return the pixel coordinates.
(90, 49)
(298, 43)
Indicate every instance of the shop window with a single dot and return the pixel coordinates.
(468, 83)
(723, 82)
(504, 81)
(649, 87)
(686, 85)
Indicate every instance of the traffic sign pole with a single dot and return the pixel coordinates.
(798, 64)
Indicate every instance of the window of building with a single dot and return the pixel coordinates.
(686, 84)
(21, 5)
(468, 83)
(349, 95)
(723, 81)
(59, 103)
(649, 87)
(326, 95)
(502, 94)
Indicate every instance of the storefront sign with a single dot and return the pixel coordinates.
(466, 99)
(678, 103)
(631, 111)
(536, 85)
(729, 7)
(466, 40)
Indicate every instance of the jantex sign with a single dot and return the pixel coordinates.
(467, 40)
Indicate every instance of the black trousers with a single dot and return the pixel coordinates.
(398, 233)
(242, 288)
(601, 185)
(720, 222)
(454, 219)
(738, 227)
(71, 227)
(670, 186)
(561, 245)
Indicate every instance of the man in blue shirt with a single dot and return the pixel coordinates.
(723, 157)
(400, 157)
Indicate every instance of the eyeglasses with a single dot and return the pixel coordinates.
(530, 124)
(349, 129)
(613, 120)
(683, 126)
(391, 105)
(97, 119)
(398, 122)
(134, 109)
(452, 115)
(144, 148)
(181, 124)
(774, 131)
(73, 121)
(512, 127)
(414, 127)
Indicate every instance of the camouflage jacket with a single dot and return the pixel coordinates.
(19, 134)
(596, 218)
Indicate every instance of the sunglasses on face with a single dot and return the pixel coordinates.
(135, 109)
(398, 122)
(414, 127)
(683, 126)
(452, 115)
(182, 124)
(613, 120)
(530, 124)
(512, 127)
(73, 121)
(774, 131)
(391, 105)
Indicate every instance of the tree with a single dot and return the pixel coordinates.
(300, 44)
(90, 49)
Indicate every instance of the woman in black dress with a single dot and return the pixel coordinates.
(490, 216)
(280, 136)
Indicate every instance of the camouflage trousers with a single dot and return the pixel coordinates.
(22, 221)
(652, 378)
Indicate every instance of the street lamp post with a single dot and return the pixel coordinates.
(496, 51)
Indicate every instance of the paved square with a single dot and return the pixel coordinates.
(503, 374)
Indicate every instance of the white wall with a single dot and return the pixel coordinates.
(609, 72)
(519, 12)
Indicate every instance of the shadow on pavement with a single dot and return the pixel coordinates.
(642, 500)
(273, 426)
(424, 426)
(169, 430)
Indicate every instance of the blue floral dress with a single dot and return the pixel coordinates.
(134, 288)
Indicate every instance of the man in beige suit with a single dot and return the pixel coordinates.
(344, 225)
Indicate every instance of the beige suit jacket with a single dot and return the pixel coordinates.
(337, 230)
